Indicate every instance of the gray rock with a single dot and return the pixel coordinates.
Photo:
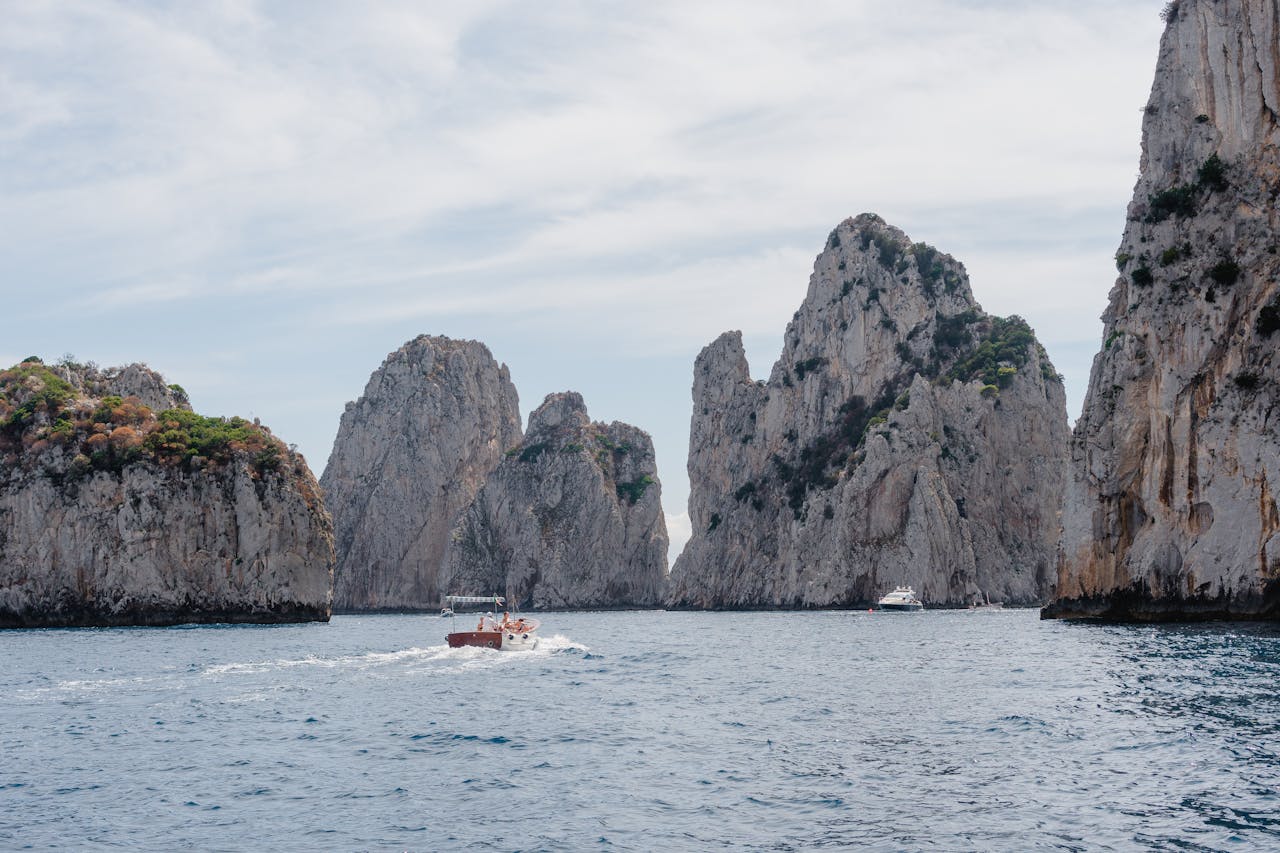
(571, 518)
(101, 523)
(1170, 510)
(876, 454)
(410, 455)
(132, 380)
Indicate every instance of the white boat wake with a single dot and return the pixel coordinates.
(461, 658)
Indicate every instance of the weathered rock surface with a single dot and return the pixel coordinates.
(572, 518)
(112, 515)
(903, 437)
(410, 455)
(1171, 506)
(131, 380)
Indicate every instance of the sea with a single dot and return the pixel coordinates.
(645, 731)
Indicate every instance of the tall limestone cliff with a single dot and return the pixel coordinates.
(571, 518)
(1175, 462)
(114, 513)
(410, 454)
(904, 437)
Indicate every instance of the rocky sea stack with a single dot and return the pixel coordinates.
(121, 506)
(410, 455)
(571, 518)
(903, 437)
(1175, 462)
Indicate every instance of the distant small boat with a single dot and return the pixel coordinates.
(511, 633)
(980, 604)
(902, 598)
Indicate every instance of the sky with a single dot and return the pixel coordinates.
(263, 200)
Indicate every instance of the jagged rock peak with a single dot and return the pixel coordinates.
(571, 518)
(876, 451)
(563, 412)
(721, 364)
(1216, 90)
(410, 455)
(1170, 510)
(112, 513)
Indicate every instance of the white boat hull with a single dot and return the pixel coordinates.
(903, 599)
(526, 642)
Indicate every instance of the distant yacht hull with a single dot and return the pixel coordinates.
(902, 599)
(902, 606)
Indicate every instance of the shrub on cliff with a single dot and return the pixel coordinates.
(180, 435)
(1226, 272)
(31, 390)
(1268, 321)
(1007, 344)
(634, 490)
(1178, 200)
(1212, 175)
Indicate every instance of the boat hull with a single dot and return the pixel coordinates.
(505, 641)
(481, 639)
(902, 607)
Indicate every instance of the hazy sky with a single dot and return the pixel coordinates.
(262, 200)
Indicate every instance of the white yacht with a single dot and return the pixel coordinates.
(902, 598)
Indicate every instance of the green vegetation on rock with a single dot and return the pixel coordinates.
(634, 490)
(809, 365)
(1226, 272)
(1182, 200)
(40, 412)
(1008, 342)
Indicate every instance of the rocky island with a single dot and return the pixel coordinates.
(572, 517)
(409, 457)
(121, 506)
(1171, 507)
(903, 437)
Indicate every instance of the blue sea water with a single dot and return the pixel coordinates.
(645, 731)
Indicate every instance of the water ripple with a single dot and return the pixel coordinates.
(644, 731)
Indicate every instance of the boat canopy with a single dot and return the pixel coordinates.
(497, 600)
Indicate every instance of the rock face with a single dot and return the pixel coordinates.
(112, 514)
(409, 456)
(903, 437)
(133, 380)
(571, 518)
(1175, 462)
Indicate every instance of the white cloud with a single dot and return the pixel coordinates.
(630, 180)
